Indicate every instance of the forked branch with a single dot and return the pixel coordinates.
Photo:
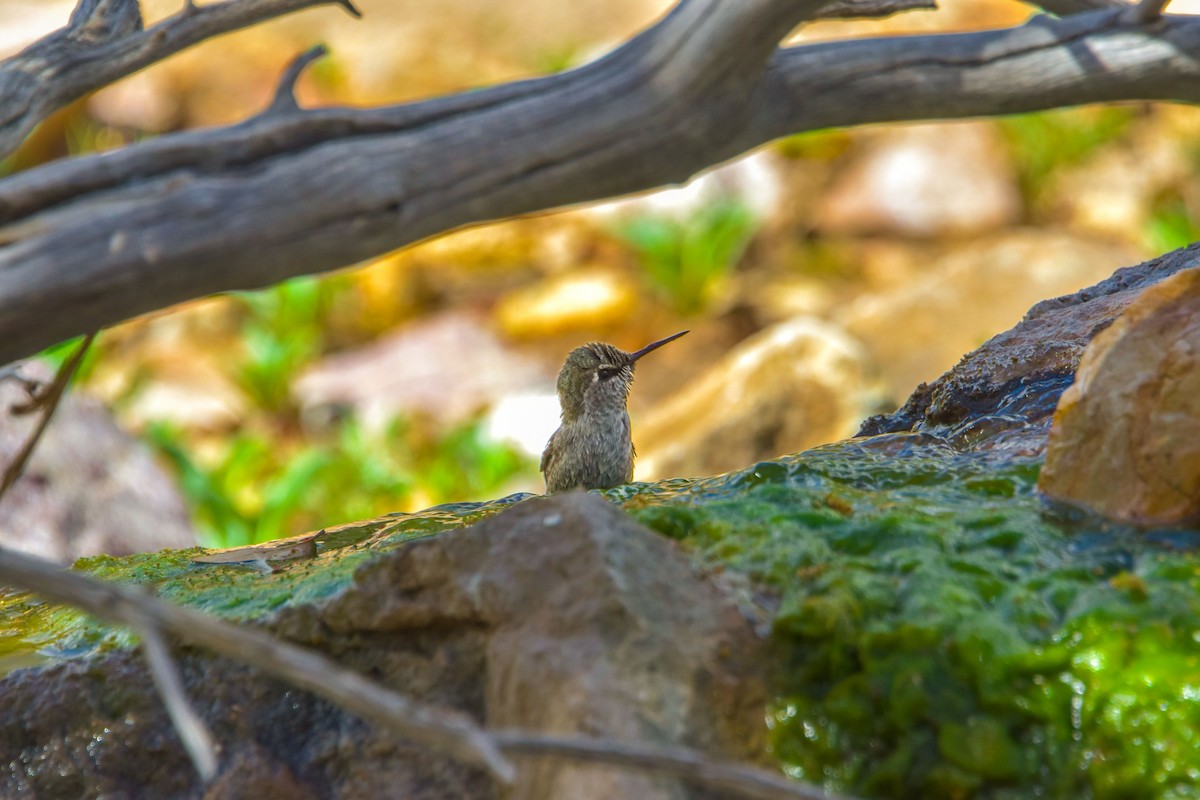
(103, 43)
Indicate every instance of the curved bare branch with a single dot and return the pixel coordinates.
(105, 41)
(89, 242)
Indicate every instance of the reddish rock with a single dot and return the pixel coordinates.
(1126, 436)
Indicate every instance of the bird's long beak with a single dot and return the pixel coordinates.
(653, 346)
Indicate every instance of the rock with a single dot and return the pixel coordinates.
(795, 385)
(1002, 395)
(919, 331)
(942, 179)
(561, 615)
(192, 390)
(1125, 441)
(448, 367)
(89, 487)
(586, 298)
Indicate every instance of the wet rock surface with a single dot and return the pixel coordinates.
(1002, 396)
(561, 615)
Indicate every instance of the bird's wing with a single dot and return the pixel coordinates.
(548, 454)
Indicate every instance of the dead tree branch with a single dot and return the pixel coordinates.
(442, 730)
(104, 42)
(869, 9)
(88, 242)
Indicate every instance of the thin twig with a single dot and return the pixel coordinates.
(194, 734)
(443, 730)
(1149, 11)
(684, 762)
(48, 401)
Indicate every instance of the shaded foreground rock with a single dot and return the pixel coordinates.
(1003, 395)
(561, 615)
(1126, 437)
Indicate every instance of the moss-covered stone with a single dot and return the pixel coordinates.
(944, 634)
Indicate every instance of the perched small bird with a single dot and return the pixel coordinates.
(592, 449)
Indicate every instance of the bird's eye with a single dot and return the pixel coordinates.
(607, 372)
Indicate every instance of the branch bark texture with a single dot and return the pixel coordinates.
(89, 242)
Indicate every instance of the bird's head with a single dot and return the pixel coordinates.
(597, 377)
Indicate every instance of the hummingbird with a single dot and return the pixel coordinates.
(592, 449)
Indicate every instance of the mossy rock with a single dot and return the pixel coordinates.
(941, 632)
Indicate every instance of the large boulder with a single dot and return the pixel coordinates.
(936, 630)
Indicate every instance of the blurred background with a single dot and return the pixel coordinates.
(823, 277)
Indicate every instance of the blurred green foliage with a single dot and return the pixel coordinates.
(282, 333)
(274, 476)
(263, 486)
(1173, 224)
(686, 259)
(55, 355)
(1048, 141)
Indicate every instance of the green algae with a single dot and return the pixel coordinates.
(942, 633)
(33, 631)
